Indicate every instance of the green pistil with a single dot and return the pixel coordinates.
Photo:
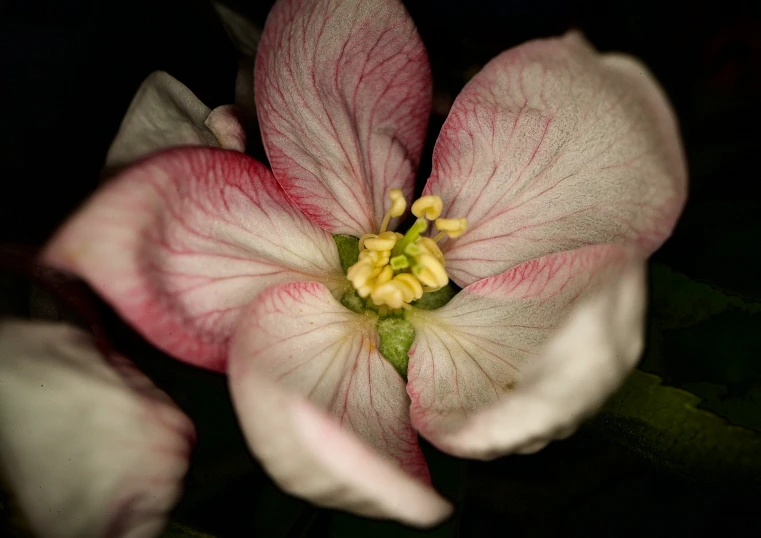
(412, 235)
(413, 250)
(399, 262)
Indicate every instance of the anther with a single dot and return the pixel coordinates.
(430, 245)
(412, 283)
(428, 206)
(384, 276)
(388, 294)
(398, 205)
(430, 272)
(394, 270)
(451, 227)
(383, 242)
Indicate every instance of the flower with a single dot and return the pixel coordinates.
(89, 446)
(562, 167)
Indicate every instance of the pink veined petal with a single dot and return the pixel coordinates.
(343, 93)
(474, 351)
(88, 447)
(182, 241)
(578, 369)
(551, 147)
(308, 384)
(164, 113)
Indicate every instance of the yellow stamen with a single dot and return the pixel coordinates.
(430, 272)
(430, 245)
(377, 258)
(365, 291)
(384, 276)
(428, 206)
(383, 242)
(388, 294)
(364, 238)
(394, 270)
(413, 283)
(360, 274)
(451, 227)
(398, 205)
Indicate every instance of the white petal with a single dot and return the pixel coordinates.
(553, 146)
(577, 371)
(343, 94)
(182, 241)
(164, 113)
(88, 447)
(299, 351)
(475, 351)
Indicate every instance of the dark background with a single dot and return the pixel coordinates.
(68, 70)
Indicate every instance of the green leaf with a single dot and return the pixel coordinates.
(348, 250)
(722, 349)
(679, 301)
(741, 406)
(665, 425)
(698, 333)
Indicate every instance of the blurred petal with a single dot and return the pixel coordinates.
(240, 29)
(551, 147)
(88, 448)
(181, 241)
(165, 113)
(343, 93)
(474, 351)
(297, 344)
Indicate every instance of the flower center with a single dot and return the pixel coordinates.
(394, 269)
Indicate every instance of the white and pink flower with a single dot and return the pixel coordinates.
(566, 164)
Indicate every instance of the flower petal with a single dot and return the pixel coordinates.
(299, 351)
(553, 146)
(245, 35)
(165, 113)
(88, 448)
(182, 241)
(479, 349)
(343, 93)
(579, 368)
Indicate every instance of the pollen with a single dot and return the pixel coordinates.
(428, 206)
(451, 227)
(394, 270)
